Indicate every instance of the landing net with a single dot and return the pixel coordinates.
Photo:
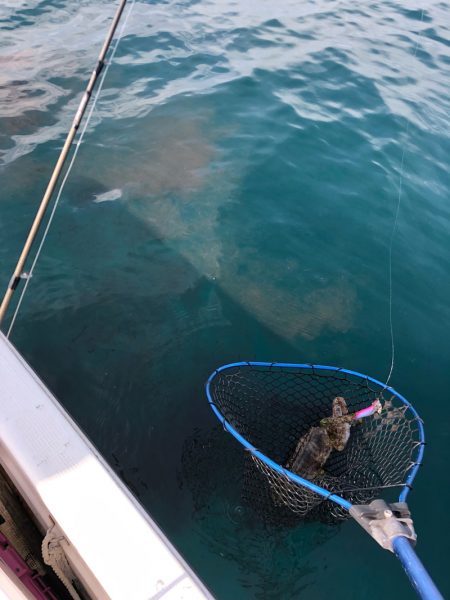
(269, 407)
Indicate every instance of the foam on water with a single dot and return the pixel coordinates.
(108, 196)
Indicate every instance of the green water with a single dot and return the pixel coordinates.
(234, 199)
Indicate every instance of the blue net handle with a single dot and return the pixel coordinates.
(418, 575)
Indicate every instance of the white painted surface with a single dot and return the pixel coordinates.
(113, 545)
(11, 588)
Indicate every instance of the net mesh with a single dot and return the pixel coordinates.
(272, 407)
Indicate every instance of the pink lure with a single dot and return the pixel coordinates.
(375, 407)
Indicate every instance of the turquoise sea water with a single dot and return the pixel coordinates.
(234, 199)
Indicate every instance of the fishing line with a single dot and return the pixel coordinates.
(394, 229)
(69, 168)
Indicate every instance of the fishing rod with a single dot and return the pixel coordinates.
(18, 271)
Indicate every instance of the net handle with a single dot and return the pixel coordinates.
(416, 572)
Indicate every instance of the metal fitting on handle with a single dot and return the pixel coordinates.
(384, 522)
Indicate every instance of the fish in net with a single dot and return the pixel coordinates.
(277, 412)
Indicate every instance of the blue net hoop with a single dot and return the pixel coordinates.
(267, 407)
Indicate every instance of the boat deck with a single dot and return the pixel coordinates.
(113, 545)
